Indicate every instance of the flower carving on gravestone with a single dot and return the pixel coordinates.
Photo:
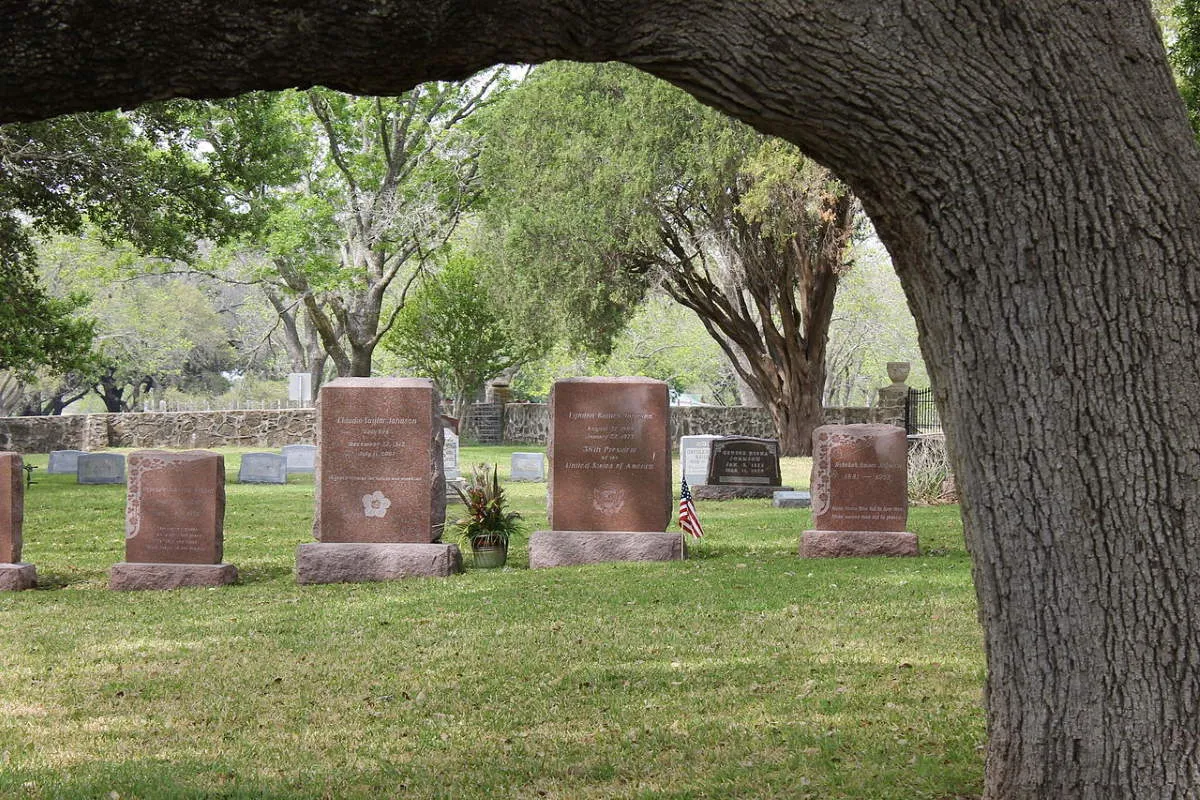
(826, 443)
(375, 504)
(133, 502)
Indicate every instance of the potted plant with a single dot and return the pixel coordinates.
(486, 526)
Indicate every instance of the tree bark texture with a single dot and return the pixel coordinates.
(1029, 167)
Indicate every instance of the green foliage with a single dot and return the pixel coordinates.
(1185, 56)
(454, 331)
(487, 521)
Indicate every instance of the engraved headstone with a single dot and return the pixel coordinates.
(100, 468)
(859, 492)
(610, 474)
(741, 467)
(300, 457)
(528, 467)
(379, 461)
(14, 575)
(263, 468)
(744, 461)
(610, 458)
(450, 454)
(792, 500)
(693, 457)
(64, 462)
(381, 493)
(174, 522)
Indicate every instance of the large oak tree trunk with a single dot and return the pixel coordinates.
(1029, 167)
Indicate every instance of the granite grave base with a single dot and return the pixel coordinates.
(571, 548)
(712, 491)
(17, 577)
(128, 576)
(853, 544)
(362, 562)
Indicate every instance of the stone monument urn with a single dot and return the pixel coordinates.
(898, 371)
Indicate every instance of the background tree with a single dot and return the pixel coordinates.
(453, 330)
(606, 181)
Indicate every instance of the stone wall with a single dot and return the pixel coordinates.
(527, 423)
(178, 430)
(524, 423)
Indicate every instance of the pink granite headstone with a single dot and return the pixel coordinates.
(610, 474)
(12, 506)
(14, 575)
(379, 461)
(175, 508)
(174, 522)
(610, 455)
(859, 492)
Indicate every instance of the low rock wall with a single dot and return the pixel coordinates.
(524, 423)
(177, 430)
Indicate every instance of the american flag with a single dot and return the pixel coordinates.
(689, 521)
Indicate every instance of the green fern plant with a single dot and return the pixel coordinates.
(486, 522)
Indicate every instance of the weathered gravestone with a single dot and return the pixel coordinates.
(14, 574)
(381, 494)
(174, 522)
(263, 468)
(693, 458)
(300, 458)
(64, 462)
(791, 499)
(610, 474)
(528, 467)
(740, 467)
(859, 493)
(100, 468)
(450, 467)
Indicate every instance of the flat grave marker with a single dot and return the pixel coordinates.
(300, 458)
(263, 468)
(95, 468)
(64, 462)
(527, 467)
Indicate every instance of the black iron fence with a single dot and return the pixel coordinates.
(920, 413)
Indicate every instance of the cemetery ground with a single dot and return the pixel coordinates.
(742, 672)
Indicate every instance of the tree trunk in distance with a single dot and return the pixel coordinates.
(1031, 170)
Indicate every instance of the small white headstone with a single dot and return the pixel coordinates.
(528, 467)
(263, 468)
(64, 462)
(693, 458)
(300, 388)
(300, 457)
(100, 468)
(450, 455)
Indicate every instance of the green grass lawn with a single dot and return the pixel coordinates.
(743, 672)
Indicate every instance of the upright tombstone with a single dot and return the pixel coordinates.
(741, 467)
(15, 575)
(610, 474)
(527, 467)
(174, 522)
(100, 468)
(300, 458)
(263, 468)
(381, 493)
(64, 462)
(859, 493)
(693, 458)
(450, 466)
